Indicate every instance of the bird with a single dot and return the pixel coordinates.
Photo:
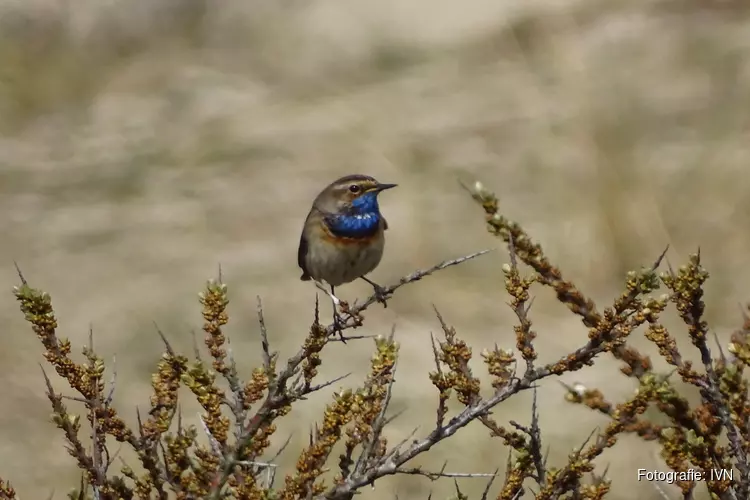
(343, 236)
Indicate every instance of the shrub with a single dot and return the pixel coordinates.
(238, 416)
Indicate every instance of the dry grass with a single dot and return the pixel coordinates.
(143, 146)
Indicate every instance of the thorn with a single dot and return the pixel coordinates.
(20, 274)
(164, 339)
(660, 258)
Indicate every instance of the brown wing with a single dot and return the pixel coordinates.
(301, 254)
(385, 224)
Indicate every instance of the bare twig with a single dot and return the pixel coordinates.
(417, 471)
(352, 319)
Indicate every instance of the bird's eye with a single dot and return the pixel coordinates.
(354, 188)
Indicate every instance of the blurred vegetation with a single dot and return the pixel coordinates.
(50, 67)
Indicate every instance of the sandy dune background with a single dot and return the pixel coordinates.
(144, 143)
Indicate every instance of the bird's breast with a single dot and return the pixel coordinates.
(359, 225)
(355, 236)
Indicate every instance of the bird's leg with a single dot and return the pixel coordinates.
(338, 323)
(380, 293)
(336, 302)
(334, 299)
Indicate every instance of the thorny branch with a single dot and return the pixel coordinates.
(353, 314)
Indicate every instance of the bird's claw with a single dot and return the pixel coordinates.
(381, 295)
(338, 326)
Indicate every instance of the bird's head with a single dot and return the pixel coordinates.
(356, 194)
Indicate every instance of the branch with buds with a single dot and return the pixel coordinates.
(239, 416)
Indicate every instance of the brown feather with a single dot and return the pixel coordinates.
(301, 254)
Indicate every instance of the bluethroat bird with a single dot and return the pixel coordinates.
(343, 236)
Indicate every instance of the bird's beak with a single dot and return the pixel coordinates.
(383, 187)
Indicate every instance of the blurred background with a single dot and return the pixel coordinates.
(142, 144)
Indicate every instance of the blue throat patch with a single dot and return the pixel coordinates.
(360, 221)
